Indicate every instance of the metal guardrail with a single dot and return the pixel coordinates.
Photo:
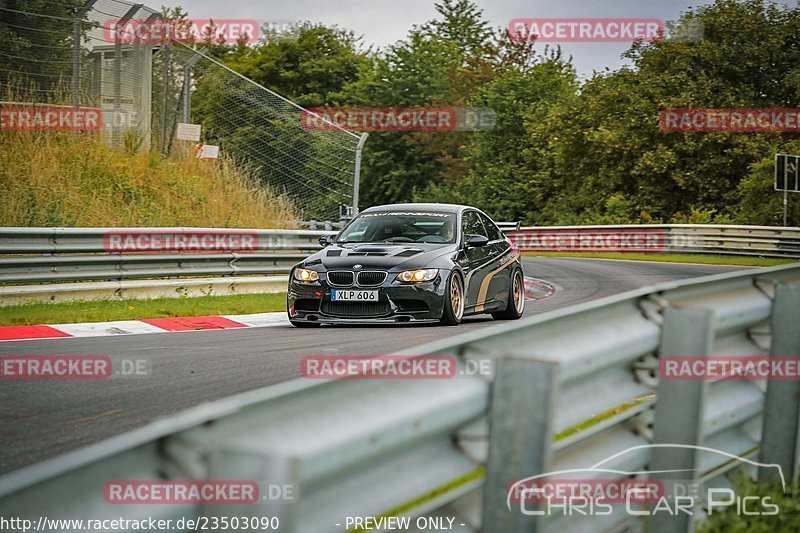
(326, 225)
(765, 241)
(454, 447)
(119, 267)
(97, 240)
(86, 254)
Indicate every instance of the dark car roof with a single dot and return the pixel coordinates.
(441, 208)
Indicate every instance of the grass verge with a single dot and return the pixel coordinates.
(61, 179)
(733, 260)
(103, 310)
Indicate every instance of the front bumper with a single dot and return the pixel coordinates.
(397, 302)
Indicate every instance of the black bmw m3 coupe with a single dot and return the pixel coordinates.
(409, 263)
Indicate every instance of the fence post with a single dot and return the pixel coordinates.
(780, 436)
(116, 124)
(187, 82)
(680, 407)
(164, 100)
(520, 439)
(357, 171)
(76, 51)
(76, 59)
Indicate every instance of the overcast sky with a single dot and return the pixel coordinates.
(383, 22)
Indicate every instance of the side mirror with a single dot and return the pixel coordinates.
(325, 240)
(476, 241)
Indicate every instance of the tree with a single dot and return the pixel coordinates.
(608, 141)
(441, 63)
(509, 167)
(308, 63)
(36, 49)
(562, 152)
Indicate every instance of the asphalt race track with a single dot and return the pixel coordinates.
(40, 419)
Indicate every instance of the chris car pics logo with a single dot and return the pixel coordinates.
(600, 490)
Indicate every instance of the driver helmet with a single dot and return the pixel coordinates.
(447, 230)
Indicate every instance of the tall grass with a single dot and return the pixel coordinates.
(63, 179)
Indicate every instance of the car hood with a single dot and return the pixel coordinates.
(378, 256)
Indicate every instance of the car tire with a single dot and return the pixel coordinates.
(516, 298)
(454, 299)
(299, 324)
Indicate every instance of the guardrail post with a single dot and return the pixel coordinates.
(680, 406)
(780, 436)
(520, 438)
(271, 473)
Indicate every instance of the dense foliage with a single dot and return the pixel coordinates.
(731, 520)
(564, 150)
(36, 51)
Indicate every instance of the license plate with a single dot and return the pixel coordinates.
(359, 296)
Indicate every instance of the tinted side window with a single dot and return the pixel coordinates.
(492, 231)
(471, 224)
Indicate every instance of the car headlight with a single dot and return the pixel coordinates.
(305, 275)
(425, 274)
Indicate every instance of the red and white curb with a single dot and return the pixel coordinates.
(535, 289)
(539, 289)
(149, 325)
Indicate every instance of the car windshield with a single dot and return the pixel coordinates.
(397, 227)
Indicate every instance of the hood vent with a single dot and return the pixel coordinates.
(365, 254)
(408, 253)
(333, 253)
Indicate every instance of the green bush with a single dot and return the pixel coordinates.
(728, 520)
